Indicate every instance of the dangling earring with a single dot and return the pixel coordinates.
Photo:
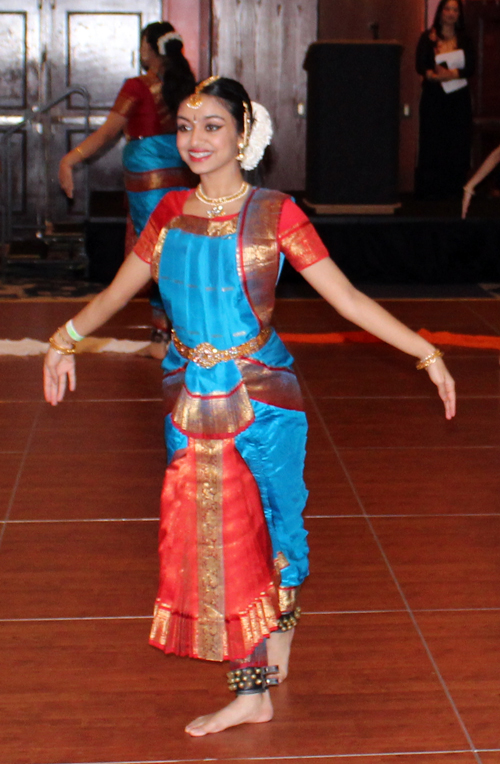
(240, 156)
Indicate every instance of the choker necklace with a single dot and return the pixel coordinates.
(218, 204)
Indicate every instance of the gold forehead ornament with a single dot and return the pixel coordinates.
(194, 101)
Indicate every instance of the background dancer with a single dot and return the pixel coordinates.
(233, 548)
(145, 111)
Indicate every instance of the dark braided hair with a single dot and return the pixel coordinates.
(178, 79)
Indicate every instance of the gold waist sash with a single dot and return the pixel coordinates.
(207, 356)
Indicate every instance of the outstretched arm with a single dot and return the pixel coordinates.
(107, 132)
(59, 369)
(488, 165)
(355, 306)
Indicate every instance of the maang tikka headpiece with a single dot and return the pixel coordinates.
(194, 101)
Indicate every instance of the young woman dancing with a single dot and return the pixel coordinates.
(233, 550)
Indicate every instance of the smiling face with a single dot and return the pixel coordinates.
(450, 13)
(207, 137)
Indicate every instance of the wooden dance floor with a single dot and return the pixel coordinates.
(397, 657)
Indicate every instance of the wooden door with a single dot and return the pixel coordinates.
(51, 46)
(263, 44)
(94, 44)
(21, 76)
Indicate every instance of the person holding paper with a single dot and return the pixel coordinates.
(445, 59)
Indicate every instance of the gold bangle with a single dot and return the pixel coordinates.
(432, 358)
(77, 148)
(61, 349)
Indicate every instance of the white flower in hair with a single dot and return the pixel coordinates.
(165, 39)
(260, 137)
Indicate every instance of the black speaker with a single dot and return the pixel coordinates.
(352, 123)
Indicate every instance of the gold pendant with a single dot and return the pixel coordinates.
(216, 210)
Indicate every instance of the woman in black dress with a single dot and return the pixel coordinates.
(445, 59)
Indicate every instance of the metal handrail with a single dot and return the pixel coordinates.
(29, 116)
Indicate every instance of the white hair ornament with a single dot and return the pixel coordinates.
(163, 41)
(260, 137)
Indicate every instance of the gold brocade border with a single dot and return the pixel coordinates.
(153, 179)
(210, 550)
(162, 616)
(302, 246)
(288, 598)
(215, 416)
(122, 105)
(205, 226)
(258, 251)
(180, 634)
(190, 224)
(155, 257)
(258, 622)
(275, 386)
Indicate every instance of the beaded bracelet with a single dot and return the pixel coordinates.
(69, 326)
(432, 358)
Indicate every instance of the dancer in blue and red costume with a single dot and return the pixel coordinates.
(144, 111)
(233, 549)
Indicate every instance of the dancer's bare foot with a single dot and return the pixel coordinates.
(245, 709)
(278, 651)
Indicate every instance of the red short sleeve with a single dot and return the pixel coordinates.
(168, 208)
(129, 96)
(299, 240)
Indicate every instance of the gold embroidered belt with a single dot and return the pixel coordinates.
(207, 356)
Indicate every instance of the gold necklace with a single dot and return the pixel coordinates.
(218, 204)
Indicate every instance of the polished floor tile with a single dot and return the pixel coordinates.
(418, 481)
(82, 484)
(117, 376)
(444, 562)
(76, 570)
(330, 492)
(489, 313)
(381, 692)
(376, 423)
(10, 465)
(84, 427)
(309, 315)
(365, 686)
(17, 421)
(347, 561)
(443, 315)
(39, 319)
(76, 486)
(21, 378)
(491, 757)
(379, 371)
(465, 647)
(410, 758)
